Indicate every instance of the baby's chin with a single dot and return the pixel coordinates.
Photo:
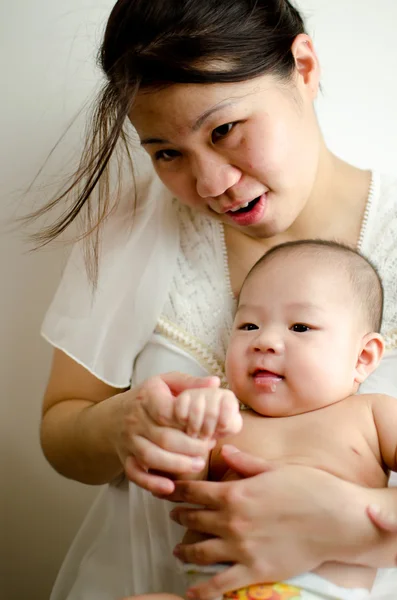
(271, 405)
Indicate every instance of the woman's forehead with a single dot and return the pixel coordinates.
(189, 105)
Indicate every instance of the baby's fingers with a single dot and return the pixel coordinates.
(181, 409)
(196, 414)
(189, 411)
(211, 418)
(230, 421)
(196, 411)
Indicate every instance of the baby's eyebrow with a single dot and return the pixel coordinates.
(241, 307)
(305, 305)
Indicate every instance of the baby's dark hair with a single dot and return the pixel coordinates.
(365, 280)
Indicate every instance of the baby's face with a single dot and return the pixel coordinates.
(296, 337)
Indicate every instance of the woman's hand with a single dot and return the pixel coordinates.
(281, 521)
(384, 519)
(147, 436)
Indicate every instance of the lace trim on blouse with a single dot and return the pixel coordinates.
(193, 346)
(378, 241)
(198, 314)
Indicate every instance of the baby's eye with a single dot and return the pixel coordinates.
(300, 328)
(166, 155)
(222, 131)
(248, 327)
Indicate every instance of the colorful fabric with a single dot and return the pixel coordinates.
(268, 591)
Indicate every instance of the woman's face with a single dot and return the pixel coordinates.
(245, 153)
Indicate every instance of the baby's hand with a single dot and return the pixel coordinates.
(208, 413)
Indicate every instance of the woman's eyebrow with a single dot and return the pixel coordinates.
(197, 124)
(202, 118)
(147, 141)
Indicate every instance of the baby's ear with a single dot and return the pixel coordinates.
(372, 349)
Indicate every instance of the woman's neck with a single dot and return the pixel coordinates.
(334, 210)
(336, 205)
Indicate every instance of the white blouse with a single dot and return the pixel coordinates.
(163, 302)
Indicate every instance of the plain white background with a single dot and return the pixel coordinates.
(47, 73)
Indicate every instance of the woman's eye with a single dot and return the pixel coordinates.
(166, 155)
(248, 327)
(300, 328)
(222, 131)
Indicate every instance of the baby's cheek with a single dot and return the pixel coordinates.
(229, 364)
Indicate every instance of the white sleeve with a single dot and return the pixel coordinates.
(105, 329)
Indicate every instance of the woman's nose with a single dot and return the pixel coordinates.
(214, 176)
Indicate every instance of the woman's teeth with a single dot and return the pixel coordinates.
(246, 207)
(240, 207)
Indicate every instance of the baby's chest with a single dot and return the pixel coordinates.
(331, 443)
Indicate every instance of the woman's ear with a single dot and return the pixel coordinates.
(306, 63)
(372, 349)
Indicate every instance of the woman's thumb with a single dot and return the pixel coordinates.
(243, 463)
(179, 382)
(387, 521)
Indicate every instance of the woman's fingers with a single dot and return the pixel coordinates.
(158, 401)
(174, 440)
(245, 464)
(207, 552)
(151, 455)
(210, 494)
(148, 436)
(153, 483)
(198, 520)
(234, 577)
(383, 520)
(179, 382)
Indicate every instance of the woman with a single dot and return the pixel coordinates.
(221, 96)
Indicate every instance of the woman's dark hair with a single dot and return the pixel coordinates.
(153, 43)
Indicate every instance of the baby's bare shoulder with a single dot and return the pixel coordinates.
(377, 400)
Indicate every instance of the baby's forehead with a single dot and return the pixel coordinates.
(295, 265)
(329, 272)
(298, 278)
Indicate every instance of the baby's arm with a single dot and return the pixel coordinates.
(384, 410)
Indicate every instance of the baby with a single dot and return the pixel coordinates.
(305, 336)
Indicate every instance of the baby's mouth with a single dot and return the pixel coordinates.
(266, 381)
(266, 373)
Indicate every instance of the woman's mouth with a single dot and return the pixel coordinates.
(245, 208)
(250, 213)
